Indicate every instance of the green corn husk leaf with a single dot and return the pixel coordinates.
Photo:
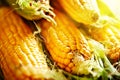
(104, 8)
(109, 8)
(33, 9)
(109, 71)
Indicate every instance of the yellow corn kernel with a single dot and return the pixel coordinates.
(64, 51)
(20, 56)
(114, 53)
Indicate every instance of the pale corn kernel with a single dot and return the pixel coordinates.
(70, 55)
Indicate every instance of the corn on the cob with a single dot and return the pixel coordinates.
(66, 44)
(85, 11)
(33, 9)
(107, 31)
(21, 58)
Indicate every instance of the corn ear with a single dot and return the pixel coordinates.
(83, 11)
(33, 9)
(21, 57)
(70, 50)
(107, 31)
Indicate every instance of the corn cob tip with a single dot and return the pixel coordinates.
(33, 9)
